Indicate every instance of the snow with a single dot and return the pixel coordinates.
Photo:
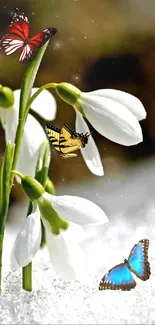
(55, 301)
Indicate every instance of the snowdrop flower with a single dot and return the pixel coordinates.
(66, 250)
(33, 135)
(113, 113)
(28, 239)
(63, 238)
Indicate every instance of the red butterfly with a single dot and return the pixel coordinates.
(17, 37)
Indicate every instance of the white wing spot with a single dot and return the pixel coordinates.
(10, 45)
(26, 53)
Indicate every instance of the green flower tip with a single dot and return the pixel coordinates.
(68, 92)
(6, 97)
(31, 186)
(51, 216)
(63, 225)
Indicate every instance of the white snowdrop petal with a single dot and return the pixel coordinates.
(67, 257)
(28, 240)
(44, 105)
(112, 120)
(4, 116)
(77, 209)
(90, 153)
(129, 101)
(33, 137)
(17, 98)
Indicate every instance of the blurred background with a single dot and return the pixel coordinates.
(99, 44)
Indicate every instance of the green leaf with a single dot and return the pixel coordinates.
(29, 78)
(5, 184)
(43, 163)
(26, 88)
(5, 187)
(41, 176)
(1, 187)
(49, 186)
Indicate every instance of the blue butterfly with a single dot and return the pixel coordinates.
(120, 276)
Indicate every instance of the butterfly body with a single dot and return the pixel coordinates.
(18, 37)
(120, 276)
(66, 140)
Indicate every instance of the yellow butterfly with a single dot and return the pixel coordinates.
(66, 140)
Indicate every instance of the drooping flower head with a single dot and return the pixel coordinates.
(113, 113)
(45, 106)
(64, 239)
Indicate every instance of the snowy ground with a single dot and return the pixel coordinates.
(130, 206)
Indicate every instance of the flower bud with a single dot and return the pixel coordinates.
(68, 92)
(32, 187)
(6, 97)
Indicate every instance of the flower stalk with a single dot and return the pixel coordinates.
(36, 94)
(4, 196)
(27, 270)
(26, 89)
(41, 176)
(27, 277)
(12, 152)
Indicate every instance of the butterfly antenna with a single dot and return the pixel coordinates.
(125, 260)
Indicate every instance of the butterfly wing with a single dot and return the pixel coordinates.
(67, 155)
(19, 24)
(138, 260)
(17, 37)
(118, 278)
(53, 134)
(67, 132)
(18, 32)
(35, 42)
(64, 140)
(69, 142)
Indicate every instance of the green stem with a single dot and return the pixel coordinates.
(41, 176)
(15, 172)
(5, 193)
(49, 85)
(26, 88)
(18, 140)
(1, 189)
(29, 78)
(27, 270)
(22, 121)
(1, 251)
(27, 84)
(27, 277)
(43, 235)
